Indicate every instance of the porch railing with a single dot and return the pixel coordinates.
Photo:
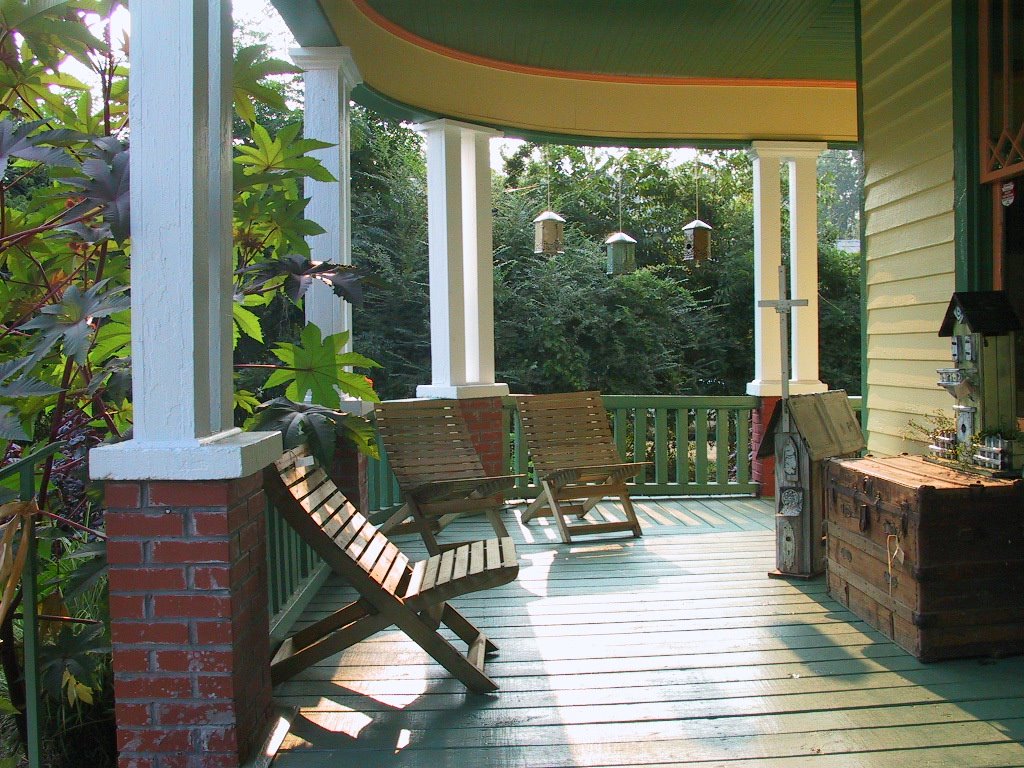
(696, 446)
(24, 469)
(294, 573)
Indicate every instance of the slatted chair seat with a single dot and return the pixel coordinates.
(440, 474)
(576, 462)
(393, 590)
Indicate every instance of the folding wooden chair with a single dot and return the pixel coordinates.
(576, 462)
(393, 590)
(437, 468)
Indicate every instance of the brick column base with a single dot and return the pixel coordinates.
(485, 418)
(763, 469)
(188, 606)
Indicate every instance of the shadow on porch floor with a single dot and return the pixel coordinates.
(673, 649)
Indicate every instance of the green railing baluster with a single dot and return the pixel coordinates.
(722, 446)
(742, 446)
(701, 439)
(682, 447)
(660, 446)
(640, 439)
(620, 424)
(520, 453)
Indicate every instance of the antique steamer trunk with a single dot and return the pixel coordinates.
(931, 557)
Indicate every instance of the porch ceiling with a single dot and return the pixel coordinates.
(603, 71)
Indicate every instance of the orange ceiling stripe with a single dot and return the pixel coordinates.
(385, 23)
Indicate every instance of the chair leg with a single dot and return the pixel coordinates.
(627, 507)
(494, 515)
(444, 653)
(425, 530)
(536, 508)
(462, 627)
(556, 511)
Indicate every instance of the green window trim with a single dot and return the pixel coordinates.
(972, 202)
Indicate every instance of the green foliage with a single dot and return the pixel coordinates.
(315, 366)
(317, 426)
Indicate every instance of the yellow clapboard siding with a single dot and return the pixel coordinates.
(912, 403)
(895, 266)
(931, 348)
(909, 225)
(928, 202)
(912, 235)
(895, 373)
(913, 318)
(930, 289)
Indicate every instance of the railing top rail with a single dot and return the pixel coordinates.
(33, 458)
(682, 401)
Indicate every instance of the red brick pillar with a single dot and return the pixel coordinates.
(485, 418)
(350, 472)
(763, 469)
(188, 605)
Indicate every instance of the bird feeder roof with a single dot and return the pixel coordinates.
(696, 224)
(548, 216)
(619, 237)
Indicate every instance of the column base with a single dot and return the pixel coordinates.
(773, 387)
(227, 456)
(461, 391)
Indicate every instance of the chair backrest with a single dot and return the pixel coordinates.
(308, 499)
(427, 440)
(566, 430)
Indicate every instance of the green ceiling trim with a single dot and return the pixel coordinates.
(308, 22)
(770, 39)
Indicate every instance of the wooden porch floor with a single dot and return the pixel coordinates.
(674, 649)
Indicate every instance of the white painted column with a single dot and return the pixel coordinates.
(329, 76)
(767, 259)
(460, 223)
(801, 159)
(803, 272)
(179, 104)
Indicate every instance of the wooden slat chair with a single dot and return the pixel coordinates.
(438, 470)
(576, 462)
(393, 591)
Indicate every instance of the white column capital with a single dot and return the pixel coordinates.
(319, 59)
(448, 124)
(787, 150)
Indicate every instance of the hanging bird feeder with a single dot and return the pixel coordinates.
(621, 253)
(549, 233)
(621, 247)
(697, 234)
(697, 246)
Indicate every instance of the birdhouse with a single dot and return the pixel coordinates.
(982, 329)
(549, 233)
(698, 241)
(621, 253)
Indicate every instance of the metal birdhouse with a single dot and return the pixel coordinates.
(621, 253)
(698, 241)
(549, 233)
